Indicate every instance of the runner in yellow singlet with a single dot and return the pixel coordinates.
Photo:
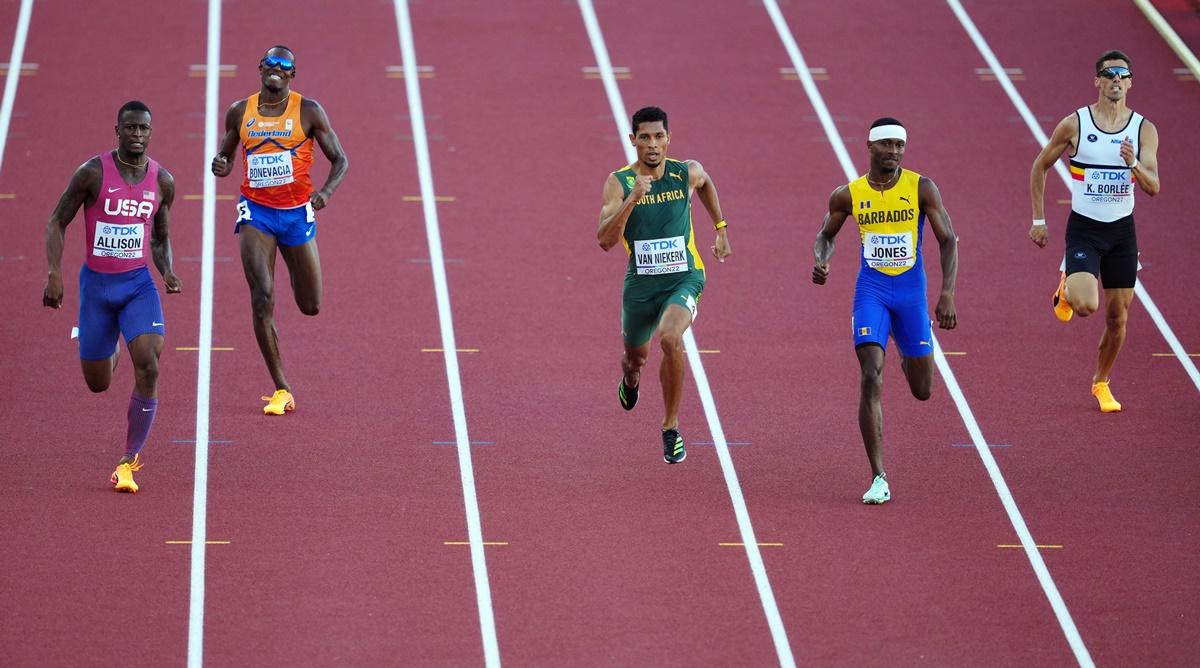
(889, 206)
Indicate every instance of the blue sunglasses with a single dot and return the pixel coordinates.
(1115, 73)
(285, 64)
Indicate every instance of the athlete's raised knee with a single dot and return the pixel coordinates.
(919, 376)
(309, 306)
(98, 385)
(1084, 309)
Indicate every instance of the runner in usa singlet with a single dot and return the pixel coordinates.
(118, 222)
(126, 199)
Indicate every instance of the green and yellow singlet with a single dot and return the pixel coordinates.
(659, 236)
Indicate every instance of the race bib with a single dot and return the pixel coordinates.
(124, 242)
(889, 251)
(1103, 185)
(661, 256)
(269, 169)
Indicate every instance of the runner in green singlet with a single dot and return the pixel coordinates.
(648, 207)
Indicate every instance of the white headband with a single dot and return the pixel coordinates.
(888, 132)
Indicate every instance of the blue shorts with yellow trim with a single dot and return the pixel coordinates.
(290, 227)
(893, 305)
(111, 305)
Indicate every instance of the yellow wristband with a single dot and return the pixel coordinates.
(720, 224)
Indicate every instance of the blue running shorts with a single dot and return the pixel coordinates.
(893, 305)
(124, 304)
(290, 227)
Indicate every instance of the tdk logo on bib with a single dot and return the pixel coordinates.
(123, 242)
(269, 169)
(889, 251)
(660, 256)
(661, 244)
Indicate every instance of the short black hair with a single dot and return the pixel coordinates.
(279, 46)
(132, 105)
(1113, 55)
(649, 115)
(886, 120)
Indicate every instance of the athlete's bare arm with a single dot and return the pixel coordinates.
(316, 125)
(222, 163)
(699, 181)
(1146, 171)
(930, 202)
(614, 212)
(1064, 137)
(82, 190)
(160, 240)
(840, 205)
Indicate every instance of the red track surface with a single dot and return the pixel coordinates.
(337, 514)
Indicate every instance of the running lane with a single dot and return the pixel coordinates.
(1026, 374)
(786, 376)
(87, 570)
(336, 514)
(612, 557)
(1107, 487)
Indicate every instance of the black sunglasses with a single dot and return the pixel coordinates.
(285, 64)
(1115, 73)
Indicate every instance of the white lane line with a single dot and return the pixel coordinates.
(14, 72)
(412, 86)
(1002, 76)
(204, 356)
(1170, 36)
(753, 554)
(960, 401)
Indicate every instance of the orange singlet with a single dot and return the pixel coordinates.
(276, 155)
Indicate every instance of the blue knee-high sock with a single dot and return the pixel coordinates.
(141, 417)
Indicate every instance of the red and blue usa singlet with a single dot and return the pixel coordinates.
(118, 221)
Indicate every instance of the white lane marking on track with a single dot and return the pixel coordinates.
(412, 86)
(14, 72)
(1023, 109)
(195, 657)
(778, 633)
(1170, 36)
(960, 401)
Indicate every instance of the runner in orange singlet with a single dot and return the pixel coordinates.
(276, 128)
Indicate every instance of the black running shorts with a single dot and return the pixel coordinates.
(1107, 250)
